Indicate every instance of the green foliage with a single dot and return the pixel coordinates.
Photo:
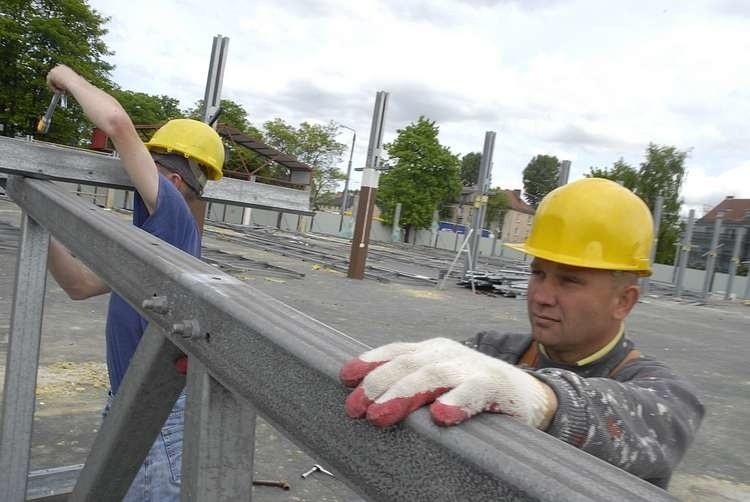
(470, 168)
(232, 114)
(34, 37)
(497, 205)
(423, 175)
(661, 173)
(147, 109)
(240, 159)
(540, 178)
(621, 172)
(314, 145)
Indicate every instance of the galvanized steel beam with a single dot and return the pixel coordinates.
(23, 357)
(286, 364)
(219, 441)
(734, 261)
(54, 162)
(143, 402)
(685, 248)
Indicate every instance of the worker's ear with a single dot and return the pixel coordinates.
(626, 298)
(174, 179)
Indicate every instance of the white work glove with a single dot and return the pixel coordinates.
(394, 380)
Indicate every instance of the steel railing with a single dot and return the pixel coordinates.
(250, 352)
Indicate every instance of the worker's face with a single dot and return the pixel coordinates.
(576, 310)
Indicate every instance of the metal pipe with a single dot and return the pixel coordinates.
(687, 239)
(711, 260)
(345, 197)
(734, 261)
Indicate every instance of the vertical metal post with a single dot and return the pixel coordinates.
(684, 254)
(212, 101)
(368, 190)
(217, 462)
(711, 259)
(658, 207)
(746, 296)
(144, 400)
(215, 78)
(23, 358)
(734, 261)
(348, 227)
(345, 196)
(483, 182)
(562, 178)
(396, 230)
(434, 228)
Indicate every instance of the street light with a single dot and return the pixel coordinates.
(345, 198)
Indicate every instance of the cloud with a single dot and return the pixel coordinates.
(410, 100)
(703, 187)
(576, 135)
(734, 7)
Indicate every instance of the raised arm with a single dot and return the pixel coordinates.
(75, 278)
(109, 116)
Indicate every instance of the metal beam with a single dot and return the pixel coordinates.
(685, 248)
(54, 162)
(658, 208)
(23, 357)
(145, 398)
(734, 261)
(286, 364)
(219, 441)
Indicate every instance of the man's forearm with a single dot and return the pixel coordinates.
(76, 279)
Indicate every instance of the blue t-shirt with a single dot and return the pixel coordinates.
(171, 222)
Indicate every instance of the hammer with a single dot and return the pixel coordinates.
(43, 125)
(316, 467)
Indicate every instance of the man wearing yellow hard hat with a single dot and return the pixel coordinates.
(577, 375)
(168, 173)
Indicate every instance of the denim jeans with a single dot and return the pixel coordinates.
(158, 479)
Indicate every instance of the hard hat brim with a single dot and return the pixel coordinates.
(575, 261)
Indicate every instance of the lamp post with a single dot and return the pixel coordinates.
(345, 198)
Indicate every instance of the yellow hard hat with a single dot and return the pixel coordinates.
(592, 223)
(194, 140)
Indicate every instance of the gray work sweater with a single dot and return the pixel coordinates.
(641, 420)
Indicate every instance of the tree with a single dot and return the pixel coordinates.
(316, 146)
(470, 169)
(540, 178)
(35, 37)
(621, 172)
(423, 175)
(239, 159)
(147, 109)
(661, 173)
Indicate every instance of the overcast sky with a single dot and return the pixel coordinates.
(585, 80)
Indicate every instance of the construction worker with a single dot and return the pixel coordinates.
(577, 376)
(168, 173)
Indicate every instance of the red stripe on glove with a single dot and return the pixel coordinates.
(355, 370)
(357, 403)
(446, 414)
(395, 410)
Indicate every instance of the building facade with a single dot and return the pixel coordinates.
(734, 214)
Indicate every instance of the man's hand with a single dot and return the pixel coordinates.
(59, 76)
(396, 379)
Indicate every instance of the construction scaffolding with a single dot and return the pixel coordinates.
(248, 353)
